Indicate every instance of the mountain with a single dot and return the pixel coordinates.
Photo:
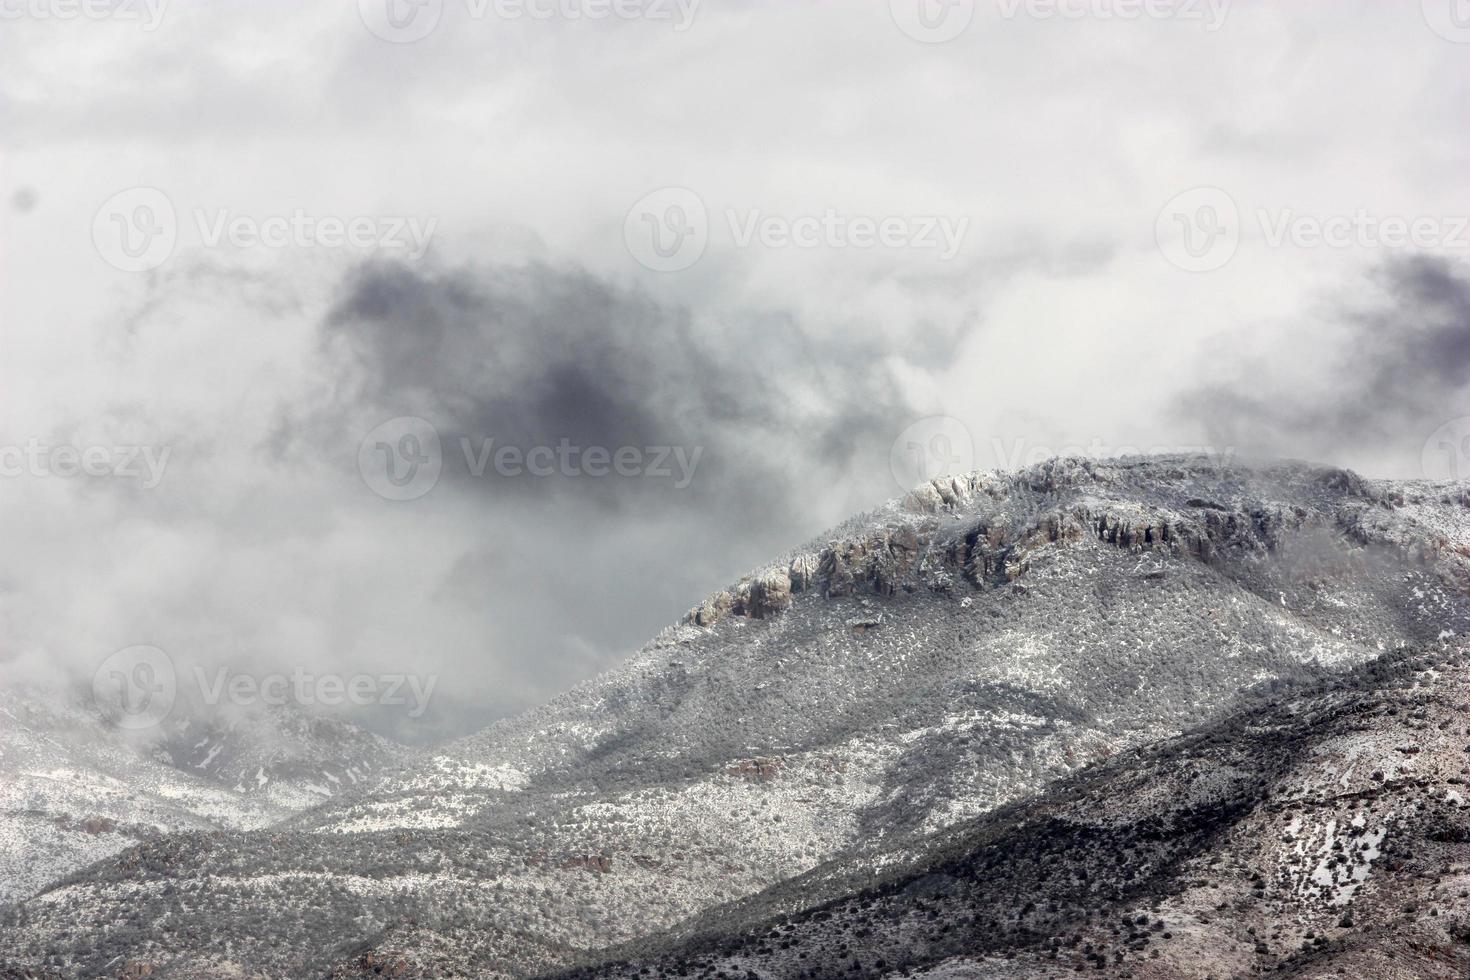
(75, 789)
(971, 647)
(280, 752)
(1322, 834)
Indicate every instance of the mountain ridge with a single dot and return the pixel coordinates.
(76, 788)
(955, 651)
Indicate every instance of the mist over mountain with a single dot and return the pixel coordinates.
(985, 644)
(1394, 360)
(77, 787)
(611, 489)
(1059, 321)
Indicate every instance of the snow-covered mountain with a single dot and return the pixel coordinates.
(1321, 834)
(74, 789)
(292, 758)
(958, 652)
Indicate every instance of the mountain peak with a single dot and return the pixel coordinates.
(845, 711)
(1194, 505)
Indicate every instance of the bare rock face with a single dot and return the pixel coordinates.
(879, 564)
(765, 595)
(769, 594)
(713, 609)
(759, 770)
(803, 572)
(844, 567)
(969, 529)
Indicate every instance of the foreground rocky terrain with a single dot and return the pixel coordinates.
(1322, 834)
(841, 717)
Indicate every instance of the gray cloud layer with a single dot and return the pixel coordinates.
(539, 579)
(532, 356)
(1058, 324)
(1384, 373)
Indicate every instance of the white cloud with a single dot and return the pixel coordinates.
(1058, 322)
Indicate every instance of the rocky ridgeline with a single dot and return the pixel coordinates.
(969, 530)
(988, 643)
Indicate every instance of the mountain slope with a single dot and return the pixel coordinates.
(291, 758)
(951, 653)
(74, 789)
(1326, 834)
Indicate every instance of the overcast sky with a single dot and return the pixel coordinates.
(283, 269)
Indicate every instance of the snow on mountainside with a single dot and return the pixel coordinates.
(72, 793)
(294, 759)
(951, 653)
(74, 790)
(1322, 835)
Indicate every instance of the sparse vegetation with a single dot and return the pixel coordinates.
(989, 772)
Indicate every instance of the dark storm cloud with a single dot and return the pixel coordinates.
(533, 583)
(532, 356)
(1388, 374)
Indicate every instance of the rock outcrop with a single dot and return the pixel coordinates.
(929, 543)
